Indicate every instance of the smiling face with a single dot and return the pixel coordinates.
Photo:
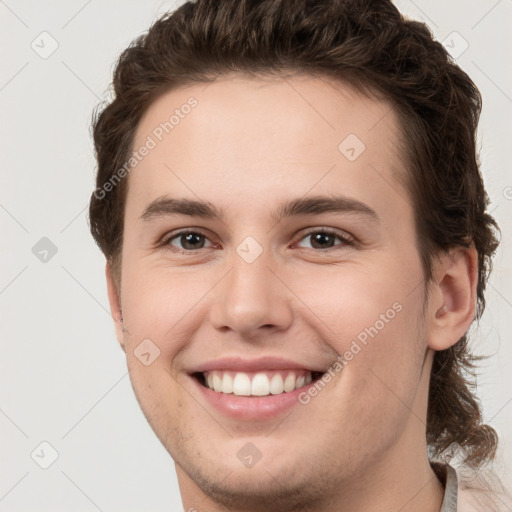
(269, 249)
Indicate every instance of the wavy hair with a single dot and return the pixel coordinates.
(362, 43)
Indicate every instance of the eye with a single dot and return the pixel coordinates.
(187, 241)
(325, 239)
(191, 241)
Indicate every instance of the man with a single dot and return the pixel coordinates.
(297, 243)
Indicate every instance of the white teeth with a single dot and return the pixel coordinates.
(242, 384)
(289, 383)
(260, 385)
(276, 384)
(217, 382)
(227, 383)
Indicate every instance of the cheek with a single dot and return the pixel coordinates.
(355, 301)
(372, 319)
(155, 304)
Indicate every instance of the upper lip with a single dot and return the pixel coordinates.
(253, 365)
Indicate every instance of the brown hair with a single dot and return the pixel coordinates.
(367, 44)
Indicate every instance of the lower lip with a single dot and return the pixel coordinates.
(251, 407)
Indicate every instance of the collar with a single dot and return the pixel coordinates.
(451, 490)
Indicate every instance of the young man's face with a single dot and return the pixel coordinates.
(262, 291)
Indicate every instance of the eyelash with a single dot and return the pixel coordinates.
(345, 239)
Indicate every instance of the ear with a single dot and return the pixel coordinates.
(452, 298)
(115, 305)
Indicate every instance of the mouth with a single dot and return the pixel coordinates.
(256, 384)
(255, 390)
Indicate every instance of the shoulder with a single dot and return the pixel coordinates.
(479, 490)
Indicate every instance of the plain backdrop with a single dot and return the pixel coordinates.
(63, 376)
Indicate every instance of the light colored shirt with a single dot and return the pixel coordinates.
(473, 492)
(450, 491)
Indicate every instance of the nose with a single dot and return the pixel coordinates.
(252, 300)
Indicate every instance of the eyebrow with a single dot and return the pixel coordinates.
(167, 206)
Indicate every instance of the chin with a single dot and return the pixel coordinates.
(285, 487)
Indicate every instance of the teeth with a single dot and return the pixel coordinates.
(227, 383)
(300, 382)
(242, 384)
(276, 384)
(217, 383)
(257, 384)
(260, 385)
(289, 383)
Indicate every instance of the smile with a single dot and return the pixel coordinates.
(254, 389)
(261, 383)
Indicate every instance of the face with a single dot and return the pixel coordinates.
(269, 253)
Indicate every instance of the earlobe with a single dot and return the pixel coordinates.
(115, 305)
(453, 297)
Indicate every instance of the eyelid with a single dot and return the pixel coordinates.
(166, 239)
(344, 237)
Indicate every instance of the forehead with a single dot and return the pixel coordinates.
(238, 138)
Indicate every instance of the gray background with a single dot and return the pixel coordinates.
(63, 375)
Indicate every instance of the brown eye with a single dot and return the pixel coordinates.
(187, 241)
(325, 239)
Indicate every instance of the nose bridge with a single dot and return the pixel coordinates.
(250, 296)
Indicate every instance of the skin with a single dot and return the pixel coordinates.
(249, 145)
